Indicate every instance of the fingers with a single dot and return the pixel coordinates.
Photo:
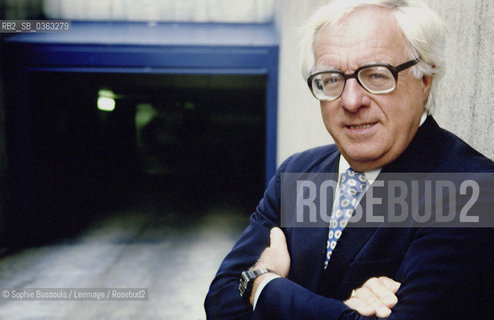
(368, 300)
(376, 297)
(360, 306)
(278, 245)
(381, 289)
(277, 238)
(275, 257)
(390, 284)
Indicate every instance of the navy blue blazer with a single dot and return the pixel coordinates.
(446, 273)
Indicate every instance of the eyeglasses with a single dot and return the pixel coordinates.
(379, 78)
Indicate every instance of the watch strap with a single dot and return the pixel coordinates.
(247, 279)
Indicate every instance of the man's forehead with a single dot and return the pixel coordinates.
(367, 35)
(369, 24)
(356, 16)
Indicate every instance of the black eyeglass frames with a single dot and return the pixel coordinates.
(379, 78)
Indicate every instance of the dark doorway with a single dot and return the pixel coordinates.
(189, 141)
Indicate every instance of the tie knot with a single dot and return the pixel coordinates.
(353, 182)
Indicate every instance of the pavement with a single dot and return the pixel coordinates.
(171, 254)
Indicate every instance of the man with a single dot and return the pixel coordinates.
(371, 65)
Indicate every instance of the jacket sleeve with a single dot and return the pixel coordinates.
(446, 274)
(223, 300)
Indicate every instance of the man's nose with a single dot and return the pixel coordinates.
(354, 96)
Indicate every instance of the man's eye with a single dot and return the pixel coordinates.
(330, 80)
(375, 74)
(378, 76)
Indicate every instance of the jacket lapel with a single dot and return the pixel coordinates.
(308, 244)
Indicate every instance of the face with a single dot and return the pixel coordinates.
(370, 130)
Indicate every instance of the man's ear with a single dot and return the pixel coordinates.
(426, 86)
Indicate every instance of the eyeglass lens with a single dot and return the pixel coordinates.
(375, 79)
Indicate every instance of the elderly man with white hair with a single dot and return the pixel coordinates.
(372, 64)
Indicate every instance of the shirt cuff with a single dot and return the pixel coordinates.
(264, 283)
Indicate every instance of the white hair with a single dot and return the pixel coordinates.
(422, 28)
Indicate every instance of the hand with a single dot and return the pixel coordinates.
(275, 257)
(375, 297)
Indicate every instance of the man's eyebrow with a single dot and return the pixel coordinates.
(325, 68)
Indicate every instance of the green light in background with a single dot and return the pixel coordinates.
(106, 104)
(106, 100)
(145, 113)
(189, 106)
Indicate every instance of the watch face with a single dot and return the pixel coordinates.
(244, 281)
(245, 285)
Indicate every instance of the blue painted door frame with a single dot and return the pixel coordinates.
(129, 47)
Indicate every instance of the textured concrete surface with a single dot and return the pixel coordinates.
(464, 104)
(465, 101)
(175, 258)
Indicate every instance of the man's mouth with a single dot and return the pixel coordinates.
(361, 126)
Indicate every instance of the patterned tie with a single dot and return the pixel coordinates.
(352, 187)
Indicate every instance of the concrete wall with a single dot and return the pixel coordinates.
(162, 10)
(464, 104)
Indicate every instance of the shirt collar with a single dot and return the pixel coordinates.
(370, 175)
(424, 117)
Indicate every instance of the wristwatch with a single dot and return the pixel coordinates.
(247, 280)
